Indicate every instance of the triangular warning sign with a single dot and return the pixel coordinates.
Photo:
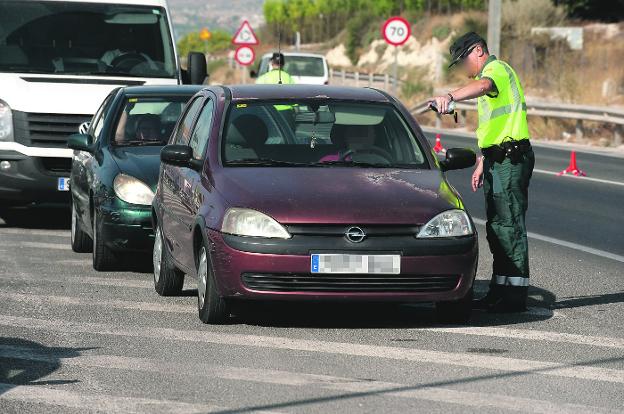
(245, 35)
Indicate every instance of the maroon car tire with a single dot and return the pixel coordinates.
(212, 308)
(80, 240)
(104, 258)
(168, 279)
(455, 312)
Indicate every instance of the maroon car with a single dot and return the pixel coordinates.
(290, 192)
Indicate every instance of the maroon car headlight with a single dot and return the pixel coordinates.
(451, 223)
(252, 223)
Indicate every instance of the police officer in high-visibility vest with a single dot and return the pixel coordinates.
(276, 74)
(504, 170)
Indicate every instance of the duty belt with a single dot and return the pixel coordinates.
(512, 149)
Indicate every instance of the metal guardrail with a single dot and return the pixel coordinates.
(580, 113)
(343, 77)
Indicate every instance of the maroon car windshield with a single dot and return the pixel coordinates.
(319, 134)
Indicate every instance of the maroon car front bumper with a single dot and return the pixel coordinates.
(431, 270)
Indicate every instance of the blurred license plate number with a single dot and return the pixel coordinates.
(63, 184)
(356, 263)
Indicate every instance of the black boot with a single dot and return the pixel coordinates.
(494, 296)
(513, 300)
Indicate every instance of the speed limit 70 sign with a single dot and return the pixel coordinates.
(396, 31)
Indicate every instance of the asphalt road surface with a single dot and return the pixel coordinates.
(75, 340)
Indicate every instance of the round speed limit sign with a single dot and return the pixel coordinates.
(396, 31)
(245, 55)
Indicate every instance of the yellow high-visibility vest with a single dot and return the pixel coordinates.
(502, 113)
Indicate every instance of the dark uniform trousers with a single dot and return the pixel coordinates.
(506, 187)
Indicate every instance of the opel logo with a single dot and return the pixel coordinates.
(355, 234)
(84, 127)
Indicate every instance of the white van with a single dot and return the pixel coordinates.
(58, 61)
(305, 68)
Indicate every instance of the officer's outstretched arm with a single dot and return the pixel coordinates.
(474, 89)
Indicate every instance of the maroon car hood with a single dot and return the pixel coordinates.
(336, 195)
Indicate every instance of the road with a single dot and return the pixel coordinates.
(75, 340)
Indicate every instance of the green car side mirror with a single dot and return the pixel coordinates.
(80, 142)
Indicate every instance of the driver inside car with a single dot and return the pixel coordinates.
(348, 139)
(148, 128)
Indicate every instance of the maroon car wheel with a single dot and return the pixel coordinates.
(212, 308)
(455, 312)
(168, 280)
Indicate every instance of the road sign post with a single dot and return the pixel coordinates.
(245, 55)
(396, 31)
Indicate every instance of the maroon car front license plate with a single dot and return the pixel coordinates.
(356, 263)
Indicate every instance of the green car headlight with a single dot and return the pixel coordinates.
(132, 190)
(451, 223)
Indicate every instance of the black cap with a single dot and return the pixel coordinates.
(278, 59)
(460, 48)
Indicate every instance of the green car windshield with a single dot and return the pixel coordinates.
(319, 134)
(148, 120)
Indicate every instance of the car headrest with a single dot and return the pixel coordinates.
(248, 130)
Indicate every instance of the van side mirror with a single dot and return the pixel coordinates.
(180, 156)
(458, 158)
(253, 74)
(197, 69)
(80, 142)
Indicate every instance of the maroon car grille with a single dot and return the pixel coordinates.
(349, 282)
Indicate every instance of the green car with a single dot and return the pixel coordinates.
(115, 169)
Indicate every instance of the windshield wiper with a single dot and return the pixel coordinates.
(352, 164)
(265, 162)
(138, 143)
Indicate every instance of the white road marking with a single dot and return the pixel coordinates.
(99, 402)
(87, 280)
(357, 387)
(570, 245)
(38, 245)
(116, 304)
(533, 335)
(35, 232)
(593, 179)
(495, 363)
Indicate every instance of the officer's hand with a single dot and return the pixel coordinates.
(477, 176)
(442, 102)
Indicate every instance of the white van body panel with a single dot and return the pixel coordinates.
(302, 80)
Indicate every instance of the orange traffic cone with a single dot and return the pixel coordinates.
(573, 168)
(438, 148)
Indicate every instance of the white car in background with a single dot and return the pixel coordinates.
(305, 68)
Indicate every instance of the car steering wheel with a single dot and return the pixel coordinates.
(128, 60)
(371, 150)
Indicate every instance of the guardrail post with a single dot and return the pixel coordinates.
(438, 123)
(579, 129)
(357, 79)
(462, 118)
(343, 76)
(331, 75)
(386, 81)
(617, 135)
(370, 80)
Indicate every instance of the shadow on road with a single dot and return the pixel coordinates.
(24, 362)
(56, 217)
(357, 315)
